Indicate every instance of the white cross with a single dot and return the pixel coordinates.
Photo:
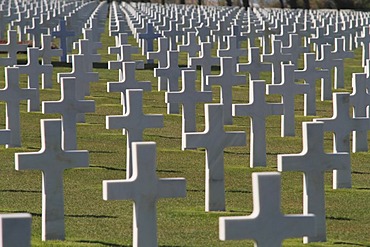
(313, 162)
(12, 48)
(188, 97)
(206, 61)
(144, 188)
(161, 56)
(328, 62)
(172, 72)
(214, 139)
(46, 51)
(12, 94)
(254, 66)
(52, 160)
(35, 31)
(125, 56)
(277, 58)
(69, 107)
(342, 124)
(15, 229)
(310, 74)
(267, 226)
(288, 89)
(33, 69)
(191, 47)
(133, 121)
(258, 110)
(226, 80)
(360, 100)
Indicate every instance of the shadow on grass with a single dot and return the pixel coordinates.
(167, 137)
(360, 173)
(101, 152)
(338, 218)
(115, 245)
(169, 171)
(239, 191)
(237, 153)
(21, 191)
(108, 168)
(352, 244)
(102, 243)
(91, 216)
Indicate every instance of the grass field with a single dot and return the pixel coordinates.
(90, 221)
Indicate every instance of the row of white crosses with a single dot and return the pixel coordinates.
(214, 124)
(314, 201)
(58, 136)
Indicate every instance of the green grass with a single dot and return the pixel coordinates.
(90, 221)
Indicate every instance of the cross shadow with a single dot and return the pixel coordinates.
(352, 244)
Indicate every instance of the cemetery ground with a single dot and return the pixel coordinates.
(91, 221)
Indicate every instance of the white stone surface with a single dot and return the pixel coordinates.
(314, 162)
(342, 125)
(188, 97)
(226, 80)
(258, 110)
(144, 188)
(133, 122)
(214, 139)
(288, 89)
(15, 230)
(267, 226)
(52, 160)
(12, 94)
(69, 107)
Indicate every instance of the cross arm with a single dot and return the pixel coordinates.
(118, 190)
(172, 187)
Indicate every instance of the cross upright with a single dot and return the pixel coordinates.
(276, 58)
(232, 50)
(88, 34)
(359, 99)
(144, 188)
(133, 122)
(33, 69)
(295, 48)
(203, 32)
(69, 107)
(342, 125)
(188, 97)
(288, 89)
(63, 34)
(339, 50)
(364, 41)
(161, 56)
(172, 33)
(125, 56)
(310, 74)
(47, 52)
(35, 31)
(86, 49)
(172, 72)
(254, 66)
(52, 160)
(191, 47)
(328, 62)
(214, 139)
(149, 38)
(267, 226)
(226, 80)
(129, 82)
(121, 39)
(319, 40)
(12, 48)
(12, 94)
(206, 61)
(258, 110)
(314, 162)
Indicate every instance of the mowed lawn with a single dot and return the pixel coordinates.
(90, 221)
